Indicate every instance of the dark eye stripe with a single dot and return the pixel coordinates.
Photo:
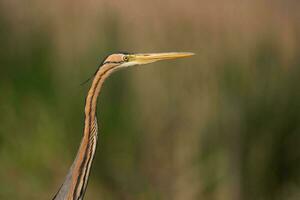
(112, 62)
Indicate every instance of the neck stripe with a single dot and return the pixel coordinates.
(87, 156)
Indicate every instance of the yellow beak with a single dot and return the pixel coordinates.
(153, 57)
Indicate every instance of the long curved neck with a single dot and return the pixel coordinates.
(76, 180)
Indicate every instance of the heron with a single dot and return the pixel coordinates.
(76, 180)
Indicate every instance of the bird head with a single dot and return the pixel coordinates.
(127, 59)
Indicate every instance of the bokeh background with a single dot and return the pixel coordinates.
(222, 125)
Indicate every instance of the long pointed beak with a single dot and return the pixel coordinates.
(153, 57)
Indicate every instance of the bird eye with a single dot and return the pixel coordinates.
(125, 58)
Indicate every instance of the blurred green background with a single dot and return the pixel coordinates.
(222, 125)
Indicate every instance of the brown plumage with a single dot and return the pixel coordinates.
(75, 183)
